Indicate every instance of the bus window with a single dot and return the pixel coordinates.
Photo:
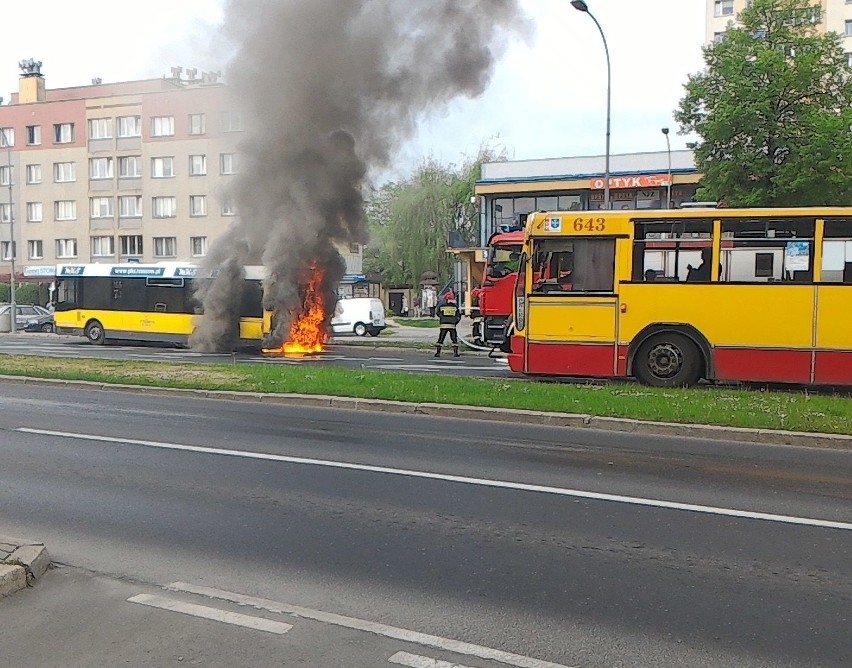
(67, 294)
(251, 303)
(767, 250)
(575, 265)
(837, 251)
(664, 250)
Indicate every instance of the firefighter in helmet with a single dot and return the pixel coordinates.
(449, 315)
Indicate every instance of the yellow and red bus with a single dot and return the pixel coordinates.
(671, 297)
(144, 302)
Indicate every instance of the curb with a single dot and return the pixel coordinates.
(514, 416)
(21, 562)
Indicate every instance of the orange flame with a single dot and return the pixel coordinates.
(307, 333)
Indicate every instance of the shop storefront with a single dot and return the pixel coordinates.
(509, 190)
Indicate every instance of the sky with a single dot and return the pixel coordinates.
(547, 97)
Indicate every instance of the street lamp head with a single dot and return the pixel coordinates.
(580, 5)
(665, 131)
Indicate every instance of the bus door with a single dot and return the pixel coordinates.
(573, 309)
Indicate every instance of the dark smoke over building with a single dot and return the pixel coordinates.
(329, 90)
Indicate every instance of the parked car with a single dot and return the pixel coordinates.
(29, 318)
(359, 316)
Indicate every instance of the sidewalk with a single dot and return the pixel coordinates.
(21, 562)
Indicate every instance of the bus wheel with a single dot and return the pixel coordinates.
(95, 332)
(360, 329)
(668, 360)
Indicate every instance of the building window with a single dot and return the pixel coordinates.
(198, 246)
(35, 212)
(163, 126)
(162, 168)
(103, 246)
(849, 56)
(197, 165)
(65, 209)
(7, 137)
(35, 249)
(100, 168)
(197, 125)
(130, 206)
(5, 213)
(66, 248)
(100, 128)
(129, 126)
(165, 247)
(101, 207)
(131, 245)
(849, 28)
(7, 251)
(33, 135)
(33, 174)
(164, 207)
(64, 172)
(130, 167)
(198, 205)
(724, 7)
(5, 175)
(232, 121)
(63, 133)
(229, 208)
(354, 248)
(228, 163)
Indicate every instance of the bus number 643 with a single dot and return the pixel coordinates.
(589, 224)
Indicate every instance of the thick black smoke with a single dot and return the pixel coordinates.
(330, 89)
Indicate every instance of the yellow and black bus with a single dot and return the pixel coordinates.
(144, 302)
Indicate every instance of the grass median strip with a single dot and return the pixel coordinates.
(795, 411)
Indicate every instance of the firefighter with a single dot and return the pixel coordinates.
(449, 315)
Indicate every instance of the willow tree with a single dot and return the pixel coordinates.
(773, 110)
(411, 220)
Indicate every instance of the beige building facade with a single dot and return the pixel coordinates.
(833, 16)
(135, 171)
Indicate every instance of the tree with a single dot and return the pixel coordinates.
(411, 220)
(773, 111)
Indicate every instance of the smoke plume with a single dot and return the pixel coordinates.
(330, 89)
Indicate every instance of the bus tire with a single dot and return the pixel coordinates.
(360, 329)
(95, 332)
(668, 359)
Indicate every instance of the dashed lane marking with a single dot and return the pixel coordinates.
(448, 644)
(234, 618)
(417, 661)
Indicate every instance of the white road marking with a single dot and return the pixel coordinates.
(457, 646)
(417, 661)
(235, 618)
(482, 482)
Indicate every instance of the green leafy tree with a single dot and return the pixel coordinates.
(773, 111)
(411, 220)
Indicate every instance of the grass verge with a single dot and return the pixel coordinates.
(417, 322)
(796, 411)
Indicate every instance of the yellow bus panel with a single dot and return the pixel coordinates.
(569, 319)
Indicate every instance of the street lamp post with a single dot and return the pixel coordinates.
(580, 5)
(13, 308)
(665, 131)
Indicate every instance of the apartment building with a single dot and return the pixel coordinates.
(130, 171)
(833, 16)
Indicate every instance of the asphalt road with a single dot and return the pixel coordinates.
(347, 352)
(579, 548)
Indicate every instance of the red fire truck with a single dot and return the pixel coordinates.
(496, 294)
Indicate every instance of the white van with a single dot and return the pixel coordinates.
(359, 316)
